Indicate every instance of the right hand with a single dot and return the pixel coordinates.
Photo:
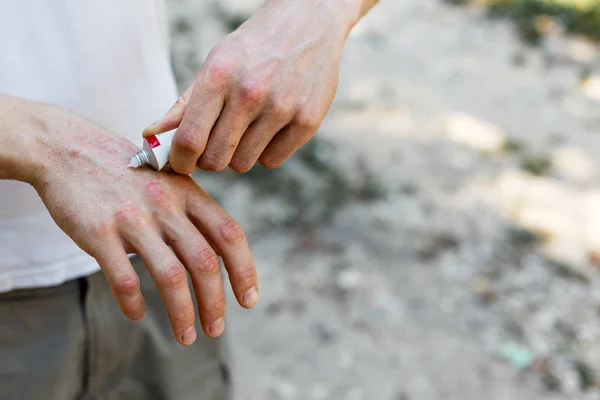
(111, 210)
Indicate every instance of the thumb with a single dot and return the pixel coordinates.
(172, 118)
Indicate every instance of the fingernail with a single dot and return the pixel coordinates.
(189, 336)
(217, 327)
(251, 297)
(149, 128)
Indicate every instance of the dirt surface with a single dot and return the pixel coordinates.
(441, 237)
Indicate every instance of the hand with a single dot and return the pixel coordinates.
(111, 210)
(263, 91)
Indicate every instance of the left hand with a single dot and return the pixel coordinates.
(263, 91)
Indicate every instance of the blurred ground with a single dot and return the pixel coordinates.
(441, 238)
(535, 18)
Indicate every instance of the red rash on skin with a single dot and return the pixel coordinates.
(58, 153)
(126, 213)
(75, 152)
(83, 140)
(156, 193)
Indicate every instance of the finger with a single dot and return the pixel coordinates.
(257, 137)
(227, 132)
(230, 241)
(202, 111)
(171, 279)
(285, 143)
(202, 263)
(121, 277)
(172, 118)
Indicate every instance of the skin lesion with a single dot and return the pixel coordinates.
(155, 192)
(127, 213)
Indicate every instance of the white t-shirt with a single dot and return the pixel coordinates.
(106, 60)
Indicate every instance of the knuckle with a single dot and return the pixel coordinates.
(100, 229)
(247, 273)
(132, 310)
(129, 214)
(231, 231)
(183, 316)
(173, 275)
(188, 139)
(182, 101)
(212, 162)
(216, 307)
(218, 72)
(281, 108)
(307, 121)
(142, 223)
(252, 93)
(126, 285)
(207, 262)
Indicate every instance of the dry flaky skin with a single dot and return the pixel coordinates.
(264, 89)
(80, 172)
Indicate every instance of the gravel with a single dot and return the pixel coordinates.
(407, 253)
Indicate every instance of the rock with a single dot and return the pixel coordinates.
(349, 279)
(387, 305)
(484, 289)
(473, 132)
(355, 394)
(573, 164)
(387, 120)
(591, 88)
(582, 50)
(319, 392)
(284, 390)
(518, 356)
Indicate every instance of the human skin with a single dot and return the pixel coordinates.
(80, 172)
(264, 89)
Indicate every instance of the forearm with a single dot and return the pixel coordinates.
(20, 130)
(348, 12)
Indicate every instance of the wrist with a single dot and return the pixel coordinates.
(348, 11)
(353, 11)
(343, 13)
(20, 131)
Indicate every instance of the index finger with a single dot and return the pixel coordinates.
(172, 118)
(203, 109)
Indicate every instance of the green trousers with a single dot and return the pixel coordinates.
(72, 342)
